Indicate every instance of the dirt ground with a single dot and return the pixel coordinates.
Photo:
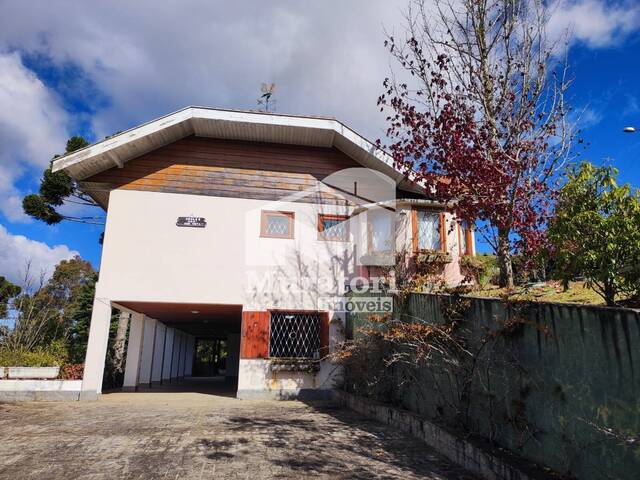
(194, 435)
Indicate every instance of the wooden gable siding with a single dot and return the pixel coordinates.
(204, 166)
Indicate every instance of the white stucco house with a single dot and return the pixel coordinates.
(246, 226)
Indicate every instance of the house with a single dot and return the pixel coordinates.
(246, 226)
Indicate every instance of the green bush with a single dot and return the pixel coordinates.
(23, 358)
(58, 348)
(481, 269)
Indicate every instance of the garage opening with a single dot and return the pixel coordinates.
(184, 347)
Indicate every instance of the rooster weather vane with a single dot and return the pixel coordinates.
(265, 99)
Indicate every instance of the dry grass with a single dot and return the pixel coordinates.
(578, 293)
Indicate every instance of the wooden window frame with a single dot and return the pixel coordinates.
(263, 224)
(414, 230)
(321, 229)
(468, 239)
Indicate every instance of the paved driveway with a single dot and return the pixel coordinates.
(172, 435)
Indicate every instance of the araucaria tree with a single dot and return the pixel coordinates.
(477, 113)
(59, 188)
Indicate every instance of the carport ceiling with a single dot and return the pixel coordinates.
(210, 319)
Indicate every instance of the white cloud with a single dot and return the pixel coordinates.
(17, 250)
(32, 129)
(596, 23)
(327, 57)
(153, 57)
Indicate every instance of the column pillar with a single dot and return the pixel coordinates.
(188, 368)
(183, 355)
(158, 353)
(134, 351)
(96, 348)
(168, 354)
(148, 347)
(176, 355)
(233, 355)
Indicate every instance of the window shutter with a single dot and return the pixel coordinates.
(254, 340)
(469, 239)
(443, 232)
(414, 229)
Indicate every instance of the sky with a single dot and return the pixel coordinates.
(95, 68)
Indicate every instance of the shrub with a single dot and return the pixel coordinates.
(481, 269)
(23, 358)
(72, 371)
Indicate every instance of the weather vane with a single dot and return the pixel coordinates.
(265, 99)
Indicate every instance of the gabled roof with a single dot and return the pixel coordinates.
(231, 125)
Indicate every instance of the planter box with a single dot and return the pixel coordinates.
(377, 259)
(40, 390)
(294, 365)
(34, 372)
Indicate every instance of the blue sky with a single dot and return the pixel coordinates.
(93, 69)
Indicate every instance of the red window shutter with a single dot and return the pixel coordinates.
(324, 334)
(254, 340)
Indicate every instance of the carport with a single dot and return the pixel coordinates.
(166, 340)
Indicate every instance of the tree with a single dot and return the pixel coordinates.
(32, 315)
(40, 313)
(69, 277)
(482, 122)
(79, 317)
(595, 232)
(7, 291)
(59, 188)
(117, 353)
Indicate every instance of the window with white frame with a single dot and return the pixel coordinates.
(380, 226)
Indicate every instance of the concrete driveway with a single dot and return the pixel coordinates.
(171, 435)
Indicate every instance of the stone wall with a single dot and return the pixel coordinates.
(556, 384)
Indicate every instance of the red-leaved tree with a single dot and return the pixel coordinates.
(479, 116)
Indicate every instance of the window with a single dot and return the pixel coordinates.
(380, 226)
(429, 231)
(333, 227)
(464, 239)
(294, 335)
(276, 224)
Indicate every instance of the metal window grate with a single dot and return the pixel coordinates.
(294, 335)
(277, 225)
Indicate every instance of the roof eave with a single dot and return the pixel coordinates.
(201, 121)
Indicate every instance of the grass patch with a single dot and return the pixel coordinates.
(578, 293)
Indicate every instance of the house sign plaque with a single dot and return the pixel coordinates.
(195, 222)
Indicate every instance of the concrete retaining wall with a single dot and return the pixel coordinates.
(491, 464)
(558, 384)
(39, 390)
